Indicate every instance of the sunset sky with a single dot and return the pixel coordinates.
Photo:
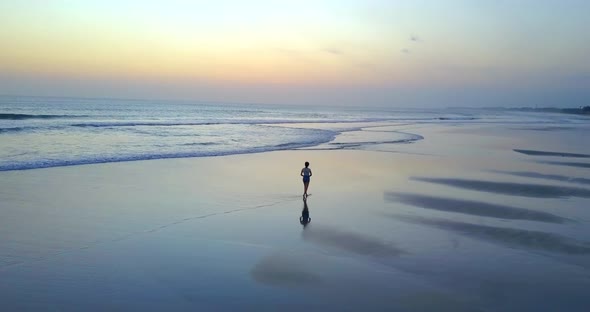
(394, 53)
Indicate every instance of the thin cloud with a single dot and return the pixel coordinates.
(415, 38)
(333, 51)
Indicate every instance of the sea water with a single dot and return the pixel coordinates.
(40, 132)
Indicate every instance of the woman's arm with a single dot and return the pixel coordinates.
(310, 174)
(301, 173)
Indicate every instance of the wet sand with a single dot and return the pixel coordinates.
(554, 177)
(471, 207)
(435, 225)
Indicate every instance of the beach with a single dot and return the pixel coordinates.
(412, 156)
(473, 217)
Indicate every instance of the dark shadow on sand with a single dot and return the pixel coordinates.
(435, 301)
(510, 188)
(567, 163)
(545, 153)
(535, 175)
(351, 242)
(549, 128)
(474, 208)
(282, 270)
(506, 236)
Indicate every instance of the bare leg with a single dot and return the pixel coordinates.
(305, 185)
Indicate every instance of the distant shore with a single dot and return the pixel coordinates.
(578, 111)
(582, 110)
(585, 110)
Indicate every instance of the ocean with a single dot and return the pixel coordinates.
(41, 132)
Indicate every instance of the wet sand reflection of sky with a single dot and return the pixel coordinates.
(510, 237)
(566, 163)
(510, 188)
(536, 175)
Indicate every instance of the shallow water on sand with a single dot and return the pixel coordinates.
(455, 221)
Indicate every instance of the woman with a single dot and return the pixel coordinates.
(306, 174)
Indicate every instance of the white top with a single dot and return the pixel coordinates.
(306, 172)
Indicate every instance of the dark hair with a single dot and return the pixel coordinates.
(307, 164)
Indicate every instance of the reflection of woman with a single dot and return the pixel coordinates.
(304, 219)
(306, 174)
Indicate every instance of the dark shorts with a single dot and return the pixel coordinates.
(305, 179)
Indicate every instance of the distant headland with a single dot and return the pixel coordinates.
(582, 110)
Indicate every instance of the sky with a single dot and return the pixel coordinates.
(310, 52)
